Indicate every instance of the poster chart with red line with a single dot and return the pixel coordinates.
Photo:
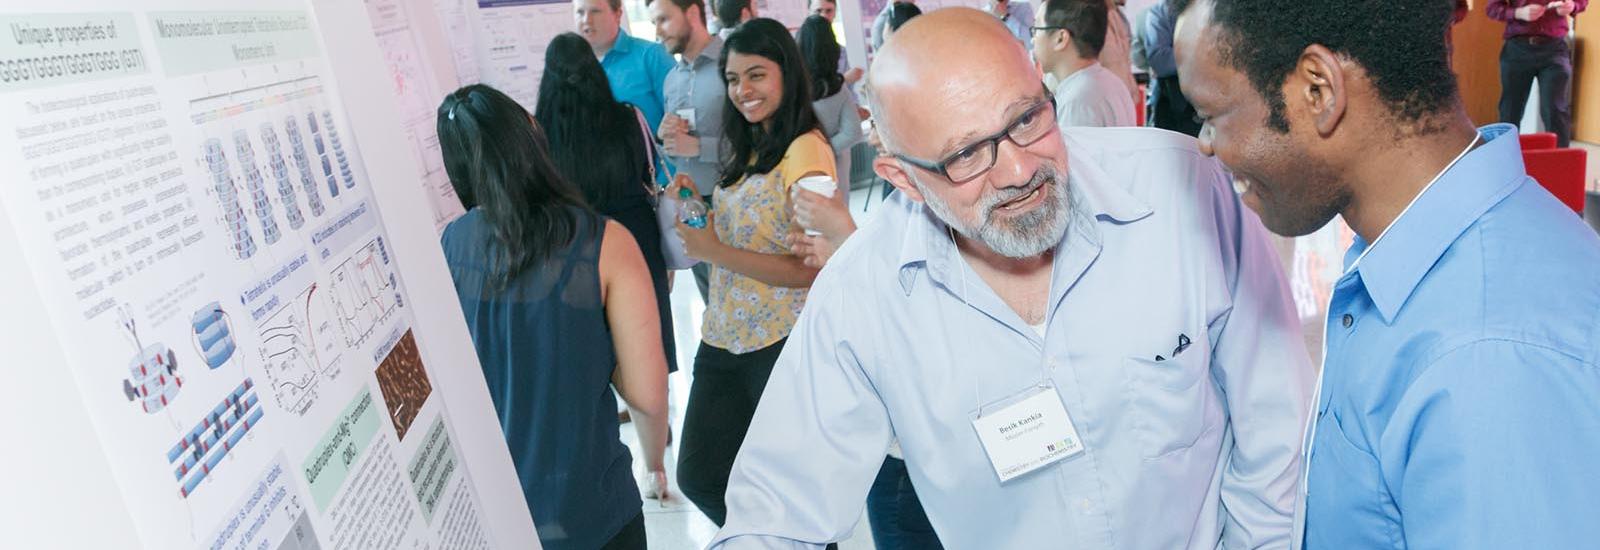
(198, 216)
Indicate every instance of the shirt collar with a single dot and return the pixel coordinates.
(710, 53)
(1079, 74)
(927, 240)
(622, 46)
(1416, 240)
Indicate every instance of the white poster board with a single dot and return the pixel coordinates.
(421, 70)
(511, 38)
(234, 339)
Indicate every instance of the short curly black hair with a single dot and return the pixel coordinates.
(1400, 43)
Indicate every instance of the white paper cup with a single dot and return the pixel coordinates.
(821, 185)
(688, 117)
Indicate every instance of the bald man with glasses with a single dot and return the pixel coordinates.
(1079, 337)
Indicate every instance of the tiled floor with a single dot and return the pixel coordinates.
(674, 523)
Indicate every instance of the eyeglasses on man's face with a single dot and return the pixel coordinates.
(974, 160)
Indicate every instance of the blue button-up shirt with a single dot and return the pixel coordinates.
(1460, 406)
(901, 338)
(637, 68)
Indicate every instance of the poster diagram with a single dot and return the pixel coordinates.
(302, 163)
(203, 448)
(299, 349)
(199, 192)
(280, 175)
(227, 194)
(213, 333)
(153, 380)
(512, 37)
(417, 89)
(245, 134)
(338, 148)
(257, 186)
(404, 383)
(366, 292)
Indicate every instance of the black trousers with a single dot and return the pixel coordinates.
(727, 386)
(630, 538)
(1170, 110)
(895, 513)
(1549, 60)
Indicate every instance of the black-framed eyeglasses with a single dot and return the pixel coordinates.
(1035, 30)
(969, 162)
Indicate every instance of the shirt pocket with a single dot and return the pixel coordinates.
(1173, 402)
(1346, 503)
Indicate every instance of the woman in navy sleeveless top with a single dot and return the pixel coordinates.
(561, 306)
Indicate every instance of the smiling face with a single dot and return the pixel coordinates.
(1278, 172)
(597, 22)
(755, 85)
(940, 98)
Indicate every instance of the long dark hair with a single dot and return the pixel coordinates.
(498, 161)
(820, 49)
(748, 141)
(594, 140)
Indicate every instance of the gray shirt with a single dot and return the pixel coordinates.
(1093, 96)
(695, 84)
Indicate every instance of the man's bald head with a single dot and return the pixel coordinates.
(947, 85)
(939, 57)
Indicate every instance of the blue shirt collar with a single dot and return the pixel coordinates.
(927, 240)
(623, 46)
(1415, 241)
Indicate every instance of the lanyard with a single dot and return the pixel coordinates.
(1308, 441)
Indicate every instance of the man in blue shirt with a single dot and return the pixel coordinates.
(1458, 404)
(1080, 338)
(635, 67)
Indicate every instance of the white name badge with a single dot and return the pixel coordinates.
(1031, 432)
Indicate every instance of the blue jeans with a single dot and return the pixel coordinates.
(894, 513)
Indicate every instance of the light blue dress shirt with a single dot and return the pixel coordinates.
(1460, 407)
(637, 69)
(696, 84)
(901, 338)
(1019, 20)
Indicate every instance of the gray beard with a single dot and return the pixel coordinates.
(1026, 236)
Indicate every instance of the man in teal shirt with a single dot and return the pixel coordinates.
(1457, 407)
(636, 68)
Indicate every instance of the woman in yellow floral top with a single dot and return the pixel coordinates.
(757, 286)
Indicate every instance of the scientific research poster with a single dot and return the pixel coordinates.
(199, 220)
(415, 53)
(512, 36)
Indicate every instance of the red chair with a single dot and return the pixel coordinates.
(1537, 142)
(1561, 172)
(1139, 107)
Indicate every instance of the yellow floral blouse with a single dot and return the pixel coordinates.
(746, 315)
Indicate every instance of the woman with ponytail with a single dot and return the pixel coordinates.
(559, 304)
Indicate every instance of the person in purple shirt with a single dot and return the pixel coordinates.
(1536, 47)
